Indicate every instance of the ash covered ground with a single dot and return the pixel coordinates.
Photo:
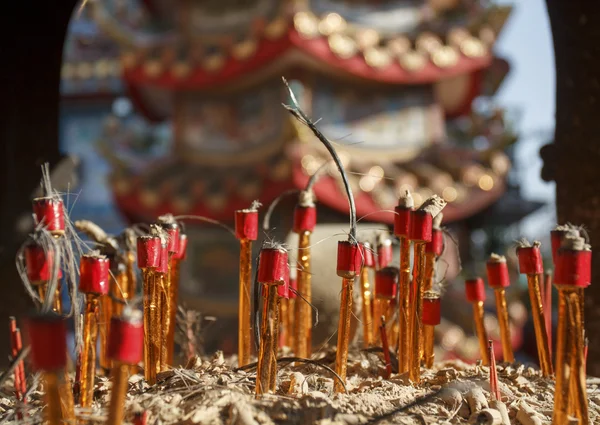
(211, 391)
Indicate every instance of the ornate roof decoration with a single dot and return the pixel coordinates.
(467, 182)
(327, 43)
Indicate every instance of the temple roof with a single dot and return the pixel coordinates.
(467, 180)
(283, 45)
(272, 43)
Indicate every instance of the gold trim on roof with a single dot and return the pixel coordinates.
(413, 61)
(445, 57)
(473, 48)
(276, 28)
(244, 49)
(306, 24)
(342, 46)
(377, 58)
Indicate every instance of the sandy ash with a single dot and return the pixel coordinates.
(211, 391)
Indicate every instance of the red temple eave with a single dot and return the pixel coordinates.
(328, 193)
(291, 48)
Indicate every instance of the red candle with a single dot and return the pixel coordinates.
(246, 224)
(349, 259)
(94, 274)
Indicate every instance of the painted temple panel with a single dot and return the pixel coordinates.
(219, 18)
(395, 16)
(399, 122)
(249, 122)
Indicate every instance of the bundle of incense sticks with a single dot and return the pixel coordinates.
(246, 231)
(273, 275)
(421, 232)
(305, 220)
(572, 275)
(93, 284)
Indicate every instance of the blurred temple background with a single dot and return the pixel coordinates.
(175, 106)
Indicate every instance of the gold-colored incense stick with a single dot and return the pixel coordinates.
(478, 317)
(499, 280)
(303, 321)
(52, 397)
(537, 312)
(48, 339)
(406, 310)
(475, 294)
(164, 289)
(431, 318)
(171, 230)
(124, 350)
(530, 263)
(151, 350)
(504, 324)
(104, 315)
(416, 324)
(428, 345)
(119, 376)
(273, 275)
(343, 340)
(94, 283)
(88, 353)
(275, 325)
(386, 348)
(244, 313)
(291, 316)
(367, 316)
(268, 343)
(284, 305)
(246, 231)
(402, 227)
(561, 393)
(578, 375)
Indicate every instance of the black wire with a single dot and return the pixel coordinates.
(304, 119)
(313, 179)
(272, 205)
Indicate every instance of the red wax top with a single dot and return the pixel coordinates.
(384, 254)
(475, 290)
(305, 219)
(573, 268)
(183, 241)
(39, 264)
(530, 260)
(148, 251)
(402, 221)
(50, 212)
(556, 237)
(432, 310)
(126, 339)
(386, 282)
(163, 263)
(93, 274)
(349, 259)
(246, 224)
(368, 257)
(273, 266)
(436, 246)
(173, 238)
(497, 273)
(48, 339)
(421, 226)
